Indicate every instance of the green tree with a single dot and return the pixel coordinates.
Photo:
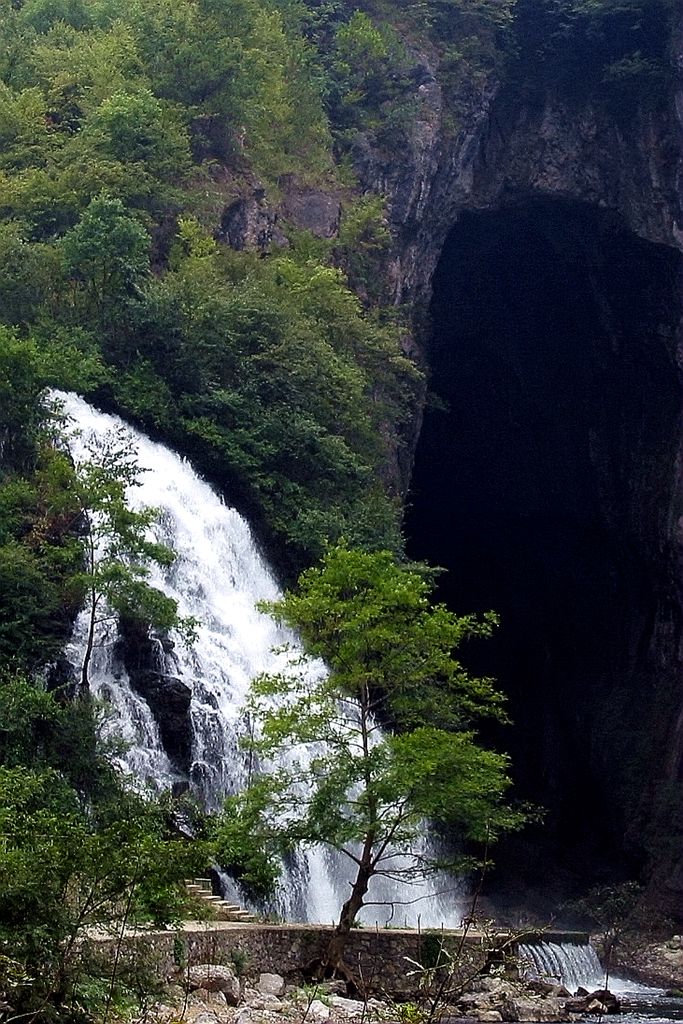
(66, 867)
(390, 664)
(137, 127)
(118, 549)
(106, 254)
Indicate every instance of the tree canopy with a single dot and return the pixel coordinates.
(351, 780)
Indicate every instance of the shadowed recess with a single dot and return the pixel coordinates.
(547, 485)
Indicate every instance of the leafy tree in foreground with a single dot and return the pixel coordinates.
(368, 789)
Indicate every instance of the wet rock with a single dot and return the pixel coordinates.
(169, 698)
(601, 1001)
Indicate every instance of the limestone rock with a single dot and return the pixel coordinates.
(216, 978)
(318, 1010)
(206, 1018)
(266, 1002)
(601, 1001)
(313, 210)
(337, 986)
(271, 985)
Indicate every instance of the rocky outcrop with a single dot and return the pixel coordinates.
(507, 151)
(168, 696)
(250, 222)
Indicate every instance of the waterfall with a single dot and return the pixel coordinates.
(571, 964)
(217, 577)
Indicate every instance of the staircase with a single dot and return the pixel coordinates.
(224, 911)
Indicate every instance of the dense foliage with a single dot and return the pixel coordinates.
(77, 848)
(614, 49)
(123, 138)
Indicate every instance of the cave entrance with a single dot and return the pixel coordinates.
(544, 482)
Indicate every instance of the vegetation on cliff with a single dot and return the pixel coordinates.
(124, 138)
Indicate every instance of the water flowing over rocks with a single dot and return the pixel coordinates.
(181, 708)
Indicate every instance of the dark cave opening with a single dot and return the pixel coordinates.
(545, 483)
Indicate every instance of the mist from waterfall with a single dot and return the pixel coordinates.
(218, 576)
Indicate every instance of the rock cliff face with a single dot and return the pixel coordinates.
(508, 150)
(545, 235)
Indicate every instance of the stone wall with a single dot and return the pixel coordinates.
(384, 959)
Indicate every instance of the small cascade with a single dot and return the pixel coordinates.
(570, 964)
(574, 965)
(218, 576)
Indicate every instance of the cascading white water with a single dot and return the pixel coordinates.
(574, 965)
(217, 577)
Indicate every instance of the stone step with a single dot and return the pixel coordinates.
(225, 911)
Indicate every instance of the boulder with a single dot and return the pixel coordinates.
(202, 999)
(490, 984)
(548, 988)
(318, 1010)
(251, 224)
(271, 985)
(312, 210)
(337, 986)
(216, 978)
(601, 1001)
(490, 1016)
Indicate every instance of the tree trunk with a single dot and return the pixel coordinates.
(84, 687)
(335, 951)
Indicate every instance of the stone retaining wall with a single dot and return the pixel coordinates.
(384, 958)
